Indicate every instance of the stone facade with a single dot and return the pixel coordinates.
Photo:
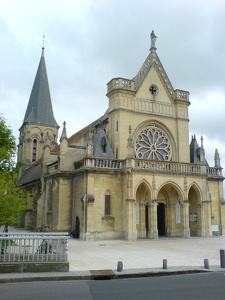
(132, 173)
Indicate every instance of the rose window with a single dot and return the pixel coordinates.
(152, 143)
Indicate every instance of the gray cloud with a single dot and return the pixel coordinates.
(90, 42)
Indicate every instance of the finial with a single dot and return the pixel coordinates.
(202, 142)
(64, 134)
(43, 45)
(153, 40)
(217, 159)
(90, 142)
(202, 152)
(43, 40)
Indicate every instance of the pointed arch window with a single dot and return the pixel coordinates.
(107, 204)
(34, 150)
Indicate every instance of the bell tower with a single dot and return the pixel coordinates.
(39, 125)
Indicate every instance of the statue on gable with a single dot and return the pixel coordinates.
(153, 39)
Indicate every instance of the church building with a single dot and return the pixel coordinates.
(132, 173)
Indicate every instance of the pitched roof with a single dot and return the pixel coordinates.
(31, 174)
(39, 109)
(56, 149)
(195, 152)
(101, 147)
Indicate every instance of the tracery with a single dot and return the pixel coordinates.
(152, 143)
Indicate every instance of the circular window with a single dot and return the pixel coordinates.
(152, 143)
(153, 89)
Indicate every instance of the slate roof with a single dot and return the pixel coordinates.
(39, 109)
(195, 152)
(84, 130)
(31, 174)
(101, 147)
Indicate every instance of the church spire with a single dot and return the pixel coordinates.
(39, 109)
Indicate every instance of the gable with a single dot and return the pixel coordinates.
(153, 78)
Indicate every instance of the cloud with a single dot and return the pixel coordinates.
(90, 42)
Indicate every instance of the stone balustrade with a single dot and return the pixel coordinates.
(181, 95)
(153, 166)
(214, 172)
(103, 163)
(170, 167)
(120, 83)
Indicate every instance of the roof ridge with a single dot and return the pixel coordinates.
(75, 135)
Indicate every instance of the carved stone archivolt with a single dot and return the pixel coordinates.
(152, 143)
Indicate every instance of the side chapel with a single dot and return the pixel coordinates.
(130, 174)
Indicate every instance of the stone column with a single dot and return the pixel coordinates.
(200, 220)
(185, 218)
(205, 214)
(207, 218)
(131, 227)
(142, 229)
(171, 219)
(152, 220)
(131, 231)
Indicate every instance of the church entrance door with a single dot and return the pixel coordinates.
(146, 220)
(161, 219)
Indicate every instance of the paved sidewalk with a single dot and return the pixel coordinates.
(85, 255)
(139, 257)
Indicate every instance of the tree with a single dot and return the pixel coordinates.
(7, 147)
(13, 200)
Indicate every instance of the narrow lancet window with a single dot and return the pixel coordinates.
(34, 152)
(107, 205)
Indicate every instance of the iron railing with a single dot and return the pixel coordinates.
(32, 247)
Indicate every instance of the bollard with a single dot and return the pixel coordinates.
(164, 263)
(206, 263)
(222, 258)
(119, 266)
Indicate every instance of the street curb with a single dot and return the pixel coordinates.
(135, 273)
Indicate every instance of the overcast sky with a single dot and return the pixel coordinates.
(88, 42)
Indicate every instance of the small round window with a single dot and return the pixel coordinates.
(153, 89)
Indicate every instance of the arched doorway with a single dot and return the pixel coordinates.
(169, 211)
(142, 210)
(194, 211)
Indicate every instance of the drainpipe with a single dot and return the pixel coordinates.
(73, 205)
(44, 206)
(86, 204)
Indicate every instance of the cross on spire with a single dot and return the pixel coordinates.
(43, 40)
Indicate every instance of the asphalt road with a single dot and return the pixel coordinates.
(192, 286)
